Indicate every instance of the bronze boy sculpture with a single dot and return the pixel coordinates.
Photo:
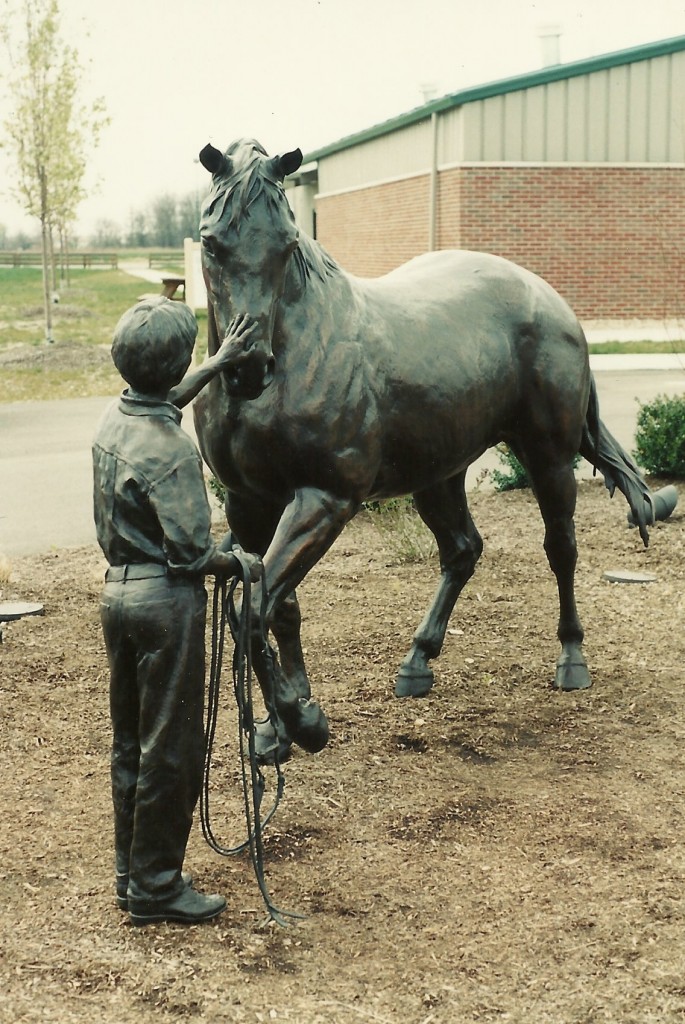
(152, 519)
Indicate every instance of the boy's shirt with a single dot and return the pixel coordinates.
(149, 494)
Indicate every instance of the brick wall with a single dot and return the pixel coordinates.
(370, 231)
(610, 239)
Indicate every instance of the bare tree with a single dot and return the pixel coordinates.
(164, 221)
(49, 127)
(138, 234)
(189, 216)
(106, 234)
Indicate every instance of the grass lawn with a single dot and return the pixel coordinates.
(86, 313)
(625, 348)
(78, 364)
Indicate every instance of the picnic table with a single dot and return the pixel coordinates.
(170, 286)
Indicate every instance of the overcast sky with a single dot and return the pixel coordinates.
(176, 74)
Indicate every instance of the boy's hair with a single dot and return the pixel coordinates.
(153, 344)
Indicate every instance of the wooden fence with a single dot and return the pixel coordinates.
(75, 259)
(164, 260)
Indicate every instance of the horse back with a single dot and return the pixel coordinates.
(466, 319)
(464, 344)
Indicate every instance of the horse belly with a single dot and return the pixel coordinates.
(439, 432)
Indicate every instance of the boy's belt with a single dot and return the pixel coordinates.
(135, 571)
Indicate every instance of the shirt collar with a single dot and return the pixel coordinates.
(134, 404)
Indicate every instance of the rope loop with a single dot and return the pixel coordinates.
(225, 610)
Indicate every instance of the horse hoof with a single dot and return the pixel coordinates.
(572, 675)
(413, 682)
(307, 725)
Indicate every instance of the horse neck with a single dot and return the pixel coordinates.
(315, 281)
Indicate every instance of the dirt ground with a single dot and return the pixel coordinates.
(495, 851)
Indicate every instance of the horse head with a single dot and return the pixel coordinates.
(248, 235)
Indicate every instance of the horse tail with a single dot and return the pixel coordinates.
(618, 469)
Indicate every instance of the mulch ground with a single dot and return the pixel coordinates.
(496, 851)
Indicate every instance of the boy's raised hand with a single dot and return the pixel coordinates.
(239, 330)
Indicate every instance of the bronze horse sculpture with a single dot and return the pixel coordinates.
(350, 389)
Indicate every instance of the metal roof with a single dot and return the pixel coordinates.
(555, 73)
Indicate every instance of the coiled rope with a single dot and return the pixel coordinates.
(253, 784)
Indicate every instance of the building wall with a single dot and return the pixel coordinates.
(302, 202)
(369, 231)
(399, 154)
(610, 239)
(580, 178)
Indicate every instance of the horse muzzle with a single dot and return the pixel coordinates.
(250, 375)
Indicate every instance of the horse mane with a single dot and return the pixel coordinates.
(242, 183)
(312, 260)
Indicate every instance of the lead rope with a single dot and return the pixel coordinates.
(253, 784)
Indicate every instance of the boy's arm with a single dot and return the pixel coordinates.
(239, 330)
(179, 501)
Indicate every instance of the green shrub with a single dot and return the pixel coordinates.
(217, 489)
(403, 533)
(516, 477)
(660, 436)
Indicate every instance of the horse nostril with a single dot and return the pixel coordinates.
(251, 341)
(269, 368)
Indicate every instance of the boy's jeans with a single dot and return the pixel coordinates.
(154, 632)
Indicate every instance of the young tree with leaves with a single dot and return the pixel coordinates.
(49, 128)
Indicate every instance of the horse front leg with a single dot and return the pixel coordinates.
(253, 524)
(309, 525)
(445, 512)
(285, 687)
(285, 626)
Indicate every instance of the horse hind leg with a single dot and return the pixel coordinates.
(554, 484)
(445, 512)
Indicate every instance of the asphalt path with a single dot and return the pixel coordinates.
(45, 468)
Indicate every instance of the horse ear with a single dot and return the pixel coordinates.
(288, 162)
(212, 159)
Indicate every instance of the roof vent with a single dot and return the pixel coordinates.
(549, 36)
